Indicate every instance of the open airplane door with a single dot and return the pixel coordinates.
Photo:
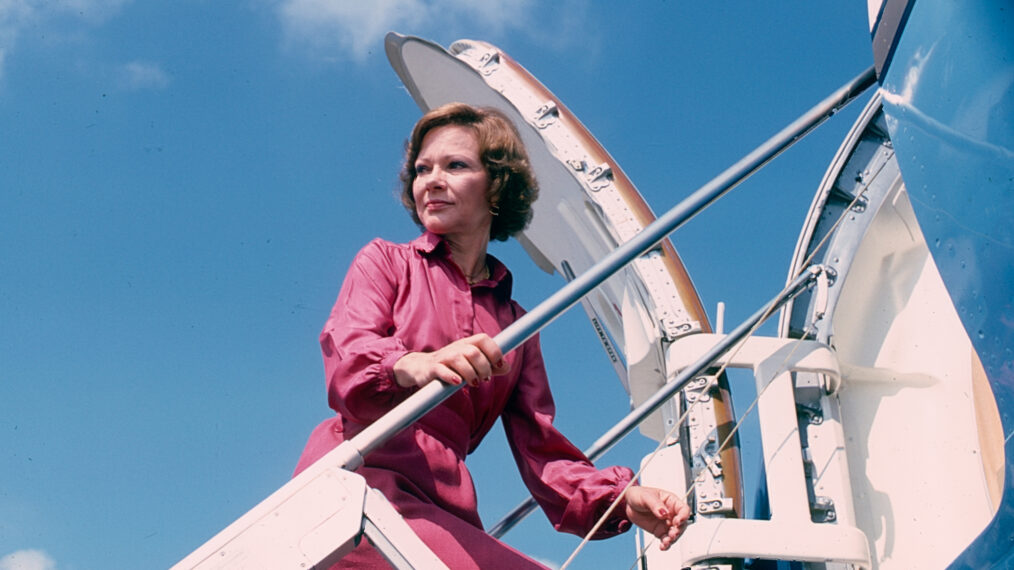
(586, 208)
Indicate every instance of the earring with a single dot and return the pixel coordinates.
(495, 210)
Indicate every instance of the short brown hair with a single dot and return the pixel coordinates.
(512, 185)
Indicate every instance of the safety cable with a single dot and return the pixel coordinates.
(746, 413)
(728, 438)
(676, 425)
(722, 368)
(841, 218)
(749, 409)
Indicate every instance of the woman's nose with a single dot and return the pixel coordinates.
(435, 178)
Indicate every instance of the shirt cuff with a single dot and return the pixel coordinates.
(386, 379)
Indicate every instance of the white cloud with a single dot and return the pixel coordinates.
(13, 15)
(357, 28)
(27, 560)
(17, 15)
(13, 10)
(142, 75)
(349, 26)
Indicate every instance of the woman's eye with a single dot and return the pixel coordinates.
(457, 164)
(421, 169)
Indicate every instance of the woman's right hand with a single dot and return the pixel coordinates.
(473, 359)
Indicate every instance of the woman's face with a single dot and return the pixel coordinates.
(451, 184)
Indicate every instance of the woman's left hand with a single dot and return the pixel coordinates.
(659, 512)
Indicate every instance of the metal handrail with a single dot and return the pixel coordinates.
(350, 453)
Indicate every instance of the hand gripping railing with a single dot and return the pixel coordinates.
(349, 455)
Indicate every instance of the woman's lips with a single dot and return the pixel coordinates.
(437, 204)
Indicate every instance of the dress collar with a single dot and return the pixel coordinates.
(432, 244)
(428, 242)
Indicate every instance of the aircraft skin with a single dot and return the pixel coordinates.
(947, 78)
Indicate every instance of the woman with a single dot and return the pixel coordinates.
(409, 314)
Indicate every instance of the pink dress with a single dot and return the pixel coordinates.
(398, 298)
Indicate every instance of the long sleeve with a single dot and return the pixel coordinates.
(398, 298)
(573, 493)
(358, 341)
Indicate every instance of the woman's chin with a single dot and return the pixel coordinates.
(435, 227)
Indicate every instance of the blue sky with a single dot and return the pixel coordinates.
(182, 186)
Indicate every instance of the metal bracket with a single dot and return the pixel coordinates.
(675, 328)
(812, 415)
(714, 464)
(599, 177)
(721, 505)
(702, 385)
(489, 62)
(822, 510)
(709, 497)
(860, 204)
(825, 279)
(546, 115)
